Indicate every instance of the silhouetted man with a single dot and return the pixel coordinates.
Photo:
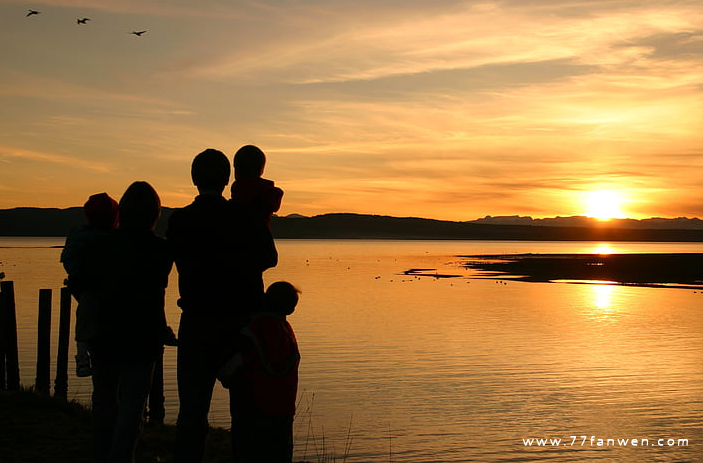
(220, 250)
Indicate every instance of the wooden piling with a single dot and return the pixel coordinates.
(3, 382)
(3, 336)
(8, 322)
(61, 382)
(44, 342)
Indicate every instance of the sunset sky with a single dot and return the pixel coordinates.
(430, 108)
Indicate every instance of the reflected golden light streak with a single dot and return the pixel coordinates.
(602, 299)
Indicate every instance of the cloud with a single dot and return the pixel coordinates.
(33, 86)
(685, 45)
(11, 154)
(478, 35)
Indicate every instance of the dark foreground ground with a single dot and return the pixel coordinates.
(632, 269)
(35, 428)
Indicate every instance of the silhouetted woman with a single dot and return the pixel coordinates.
(130, 274)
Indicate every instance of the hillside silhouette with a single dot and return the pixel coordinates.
(26, 221)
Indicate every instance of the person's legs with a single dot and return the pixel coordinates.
(135, 382)
(248, 434)
(156, 411)
(204, 343)
(282, 431)
(196, 380)
(259, 438)
(104, 407)
(83, 362)
(81, 348)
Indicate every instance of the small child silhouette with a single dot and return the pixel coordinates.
(263, 380)
(102, 214)
(248, 186)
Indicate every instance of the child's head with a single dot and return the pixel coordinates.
(281, 298)
(249, 162)
(101, 211)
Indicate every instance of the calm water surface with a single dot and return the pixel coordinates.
(424, 369)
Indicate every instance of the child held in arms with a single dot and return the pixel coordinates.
(263, 380)
(248, 186)
(102, 213)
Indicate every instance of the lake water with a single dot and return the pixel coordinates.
(425, 369)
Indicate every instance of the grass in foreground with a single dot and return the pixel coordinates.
(38, 428)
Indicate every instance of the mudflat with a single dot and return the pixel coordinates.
(684, 269)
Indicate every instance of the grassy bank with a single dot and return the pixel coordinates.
(36, 428)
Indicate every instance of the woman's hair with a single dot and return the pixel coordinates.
(140, 207)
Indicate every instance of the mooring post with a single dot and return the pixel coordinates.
(8, 320)
(61, 382)
(3, 337)
(44, 342)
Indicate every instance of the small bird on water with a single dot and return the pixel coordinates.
(137, 33)
(82, 21)
(31, 12)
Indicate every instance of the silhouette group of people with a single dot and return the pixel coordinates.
(230, 329)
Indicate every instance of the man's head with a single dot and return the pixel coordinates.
(249, 162)
(281, 298)
(210, 171)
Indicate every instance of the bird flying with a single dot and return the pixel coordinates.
(82, 21)
(138, 33)
(31, 12)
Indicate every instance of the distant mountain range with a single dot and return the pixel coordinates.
(26, 221)
(679, 223)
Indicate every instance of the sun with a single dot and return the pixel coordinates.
(604, 205)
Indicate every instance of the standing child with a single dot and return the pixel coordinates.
(102, 214)
(248, 186)
(263, 381)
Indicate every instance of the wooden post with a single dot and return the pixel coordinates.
(3, 383)
(8, 321)
(3, 337)
(61, 382)
(44, 342)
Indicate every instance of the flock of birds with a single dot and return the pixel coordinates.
(81, 21)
